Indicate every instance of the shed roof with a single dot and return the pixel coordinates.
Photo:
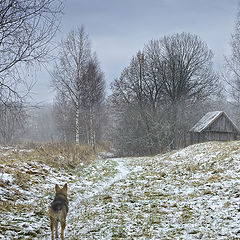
(208, 119)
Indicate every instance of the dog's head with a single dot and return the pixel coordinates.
(61, 190)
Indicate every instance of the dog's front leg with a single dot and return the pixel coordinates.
(63, 225)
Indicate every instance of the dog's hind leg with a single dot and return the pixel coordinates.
(63, 225)
(56, 229)
(52, 230)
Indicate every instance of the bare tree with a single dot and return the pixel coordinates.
(162, 82)
(140, 87)
(231, 74)
(13, 118)
(67, 77)
(184, 65)
(64, 118)
(93, 93)
(26, 29)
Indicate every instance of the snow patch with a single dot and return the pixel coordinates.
(6, 178)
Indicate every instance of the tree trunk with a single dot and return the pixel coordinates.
(91, 128)
(77, 124)
(175, 125)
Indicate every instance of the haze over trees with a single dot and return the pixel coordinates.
(167, 86)
(13, 120)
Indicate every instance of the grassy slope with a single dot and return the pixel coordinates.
(188, 194)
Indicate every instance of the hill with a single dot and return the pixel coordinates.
(188, 194)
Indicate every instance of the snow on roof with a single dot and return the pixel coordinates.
(205, 121)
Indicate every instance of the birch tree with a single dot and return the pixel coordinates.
(78, 77)
(67, 78)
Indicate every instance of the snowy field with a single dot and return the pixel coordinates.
(188, 194)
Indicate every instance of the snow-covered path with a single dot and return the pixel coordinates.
(121, 171)
(93, 184)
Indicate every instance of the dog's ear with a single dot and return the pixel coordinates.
(57, 188)
(65, 187)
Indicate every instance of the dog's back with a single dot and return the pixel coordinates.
(59, 207)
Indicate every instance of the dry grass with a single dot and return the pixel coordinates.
(27, 173)
(53, 154)
(66, 154)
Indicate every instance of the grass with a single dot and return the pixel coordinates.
(56, 155)
(186, 194)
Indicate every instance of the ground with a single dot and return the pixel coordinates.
(188, 194)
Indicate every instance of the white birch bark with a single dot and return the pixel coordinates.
(77, 124)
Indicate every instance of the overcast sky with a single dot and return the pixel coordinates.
(119, 28)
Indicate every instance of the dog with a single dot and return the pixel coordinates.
(58, 211)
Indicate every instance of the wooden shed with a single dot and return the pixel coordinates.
(214, 126)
